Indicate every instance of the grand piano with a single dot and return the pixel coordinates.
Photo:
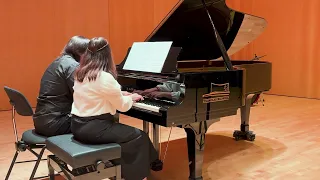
(204, 85)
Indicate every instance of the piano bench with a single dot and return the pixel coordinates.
(86, 161)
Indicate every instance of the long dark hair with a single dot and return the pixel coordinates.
(76, 46)
(98, 57)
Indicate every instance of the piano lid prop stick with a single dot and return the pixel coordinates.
(219, 41)
(257, 57)
(165, 152)
(160, 141)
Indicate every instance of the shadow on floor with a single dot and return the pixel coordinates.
(222, 156)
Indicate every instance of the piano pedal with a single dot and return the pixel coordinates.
(157, 165)
(244, 135)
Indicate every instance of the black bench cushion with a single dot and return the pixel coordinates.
(77, 154)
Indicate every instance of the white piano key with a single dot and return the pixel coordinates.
(146, 106)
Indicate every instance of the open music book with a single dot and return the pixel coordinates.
(147, 56)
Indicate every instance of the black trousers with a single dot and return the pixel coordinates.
(137, 150)
(52, 124)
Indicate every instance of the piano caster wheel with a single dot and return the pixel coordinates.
(249, 135)
(157, 165)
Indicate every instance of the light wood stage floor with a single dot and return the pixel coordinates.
(287, 145)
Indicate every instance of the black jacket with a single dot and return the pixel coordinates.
(52, 114)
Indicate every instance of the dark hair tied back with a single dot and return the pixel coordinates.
(97, 58)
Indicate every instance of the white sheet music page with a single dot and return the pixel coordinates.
(147, 56)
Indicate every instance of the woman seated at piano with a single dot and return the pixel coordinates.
(97, 97)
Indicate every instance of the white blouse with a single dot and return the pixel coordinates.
(99, 97)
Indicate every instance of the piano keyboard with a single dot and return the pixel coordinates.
(147, 106)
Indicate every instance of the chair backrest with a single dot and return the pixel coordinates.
(19, 101)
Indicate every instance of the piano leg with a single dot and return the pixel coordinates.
(158, 164)
(196, 140)
(146, 127)
(244, 132)
(155, 137)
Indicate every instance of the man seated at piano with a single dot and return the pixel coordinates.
(52, 114)
(168, 90)
(97, 97)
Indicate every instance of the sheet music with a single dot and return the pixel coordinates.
(147, 56)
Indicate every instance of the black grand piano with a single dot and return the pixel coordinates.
(203, 84)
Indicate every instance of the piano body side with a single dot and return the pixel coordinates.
(257, 74)
(208, 96)
(193, 98)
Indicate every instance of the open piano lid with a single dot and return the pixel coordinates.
(188, 26)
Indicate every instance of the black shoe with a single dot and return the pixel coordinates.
(157, 165)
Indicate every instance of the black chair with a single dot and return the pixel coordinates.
(30, 140)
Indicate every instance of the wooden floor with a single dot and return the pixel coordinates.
(287, 145)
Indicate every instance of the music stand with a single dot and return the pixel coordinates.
(169, 65)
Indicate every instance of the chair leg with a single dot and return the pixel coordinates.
(50, 169)
(12, 164)
(37, 163)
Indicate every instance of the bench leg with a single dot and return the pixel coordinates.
(118, 172)
(51, 170)
(55, 165)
